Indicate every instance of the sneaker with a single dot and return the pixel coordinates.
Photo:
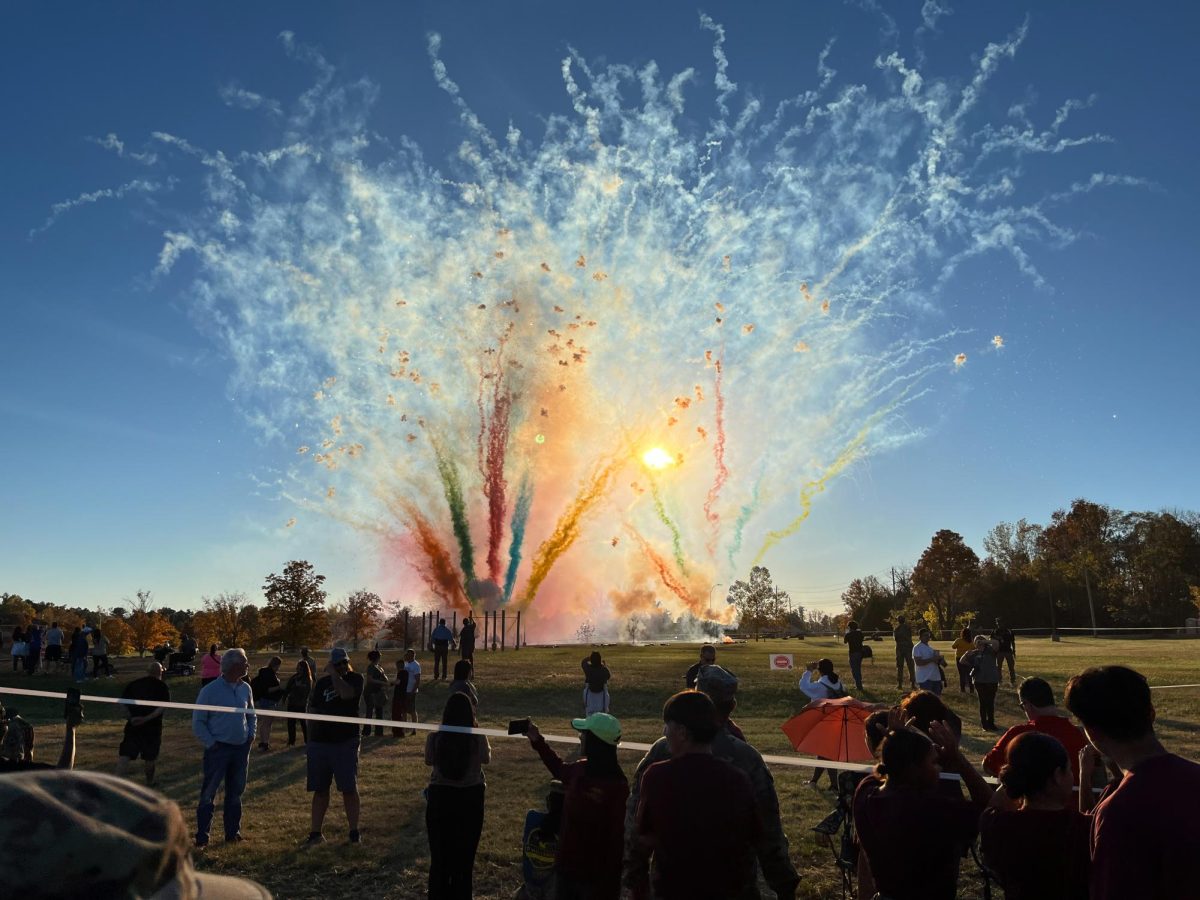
(355, 837)
(238, 838)
(314, 838)
(264, 747)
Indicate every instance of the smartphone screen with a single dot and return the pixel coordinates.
(518, 726)
(72, 701)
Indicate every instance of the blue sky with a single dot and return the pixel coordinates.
(129, 462)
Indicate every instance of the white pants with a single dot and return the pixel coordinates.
(593, 702)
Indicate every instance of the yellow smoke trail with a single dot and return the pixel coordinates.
(566, 531)
(811, 488)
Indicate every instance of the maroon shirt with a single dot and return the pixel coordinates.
(1067, 734)
(1037, 854)
(1146, 833)
(591, 839)
(689, 795)
(914, 838)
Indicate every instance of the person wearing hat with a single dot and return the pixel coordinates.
(71, 834)
(678, 798)
(332, 747)
(588, 859)
(771, 849)
(227, 738)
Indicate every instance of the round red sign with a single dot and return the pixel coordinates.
(781, 662)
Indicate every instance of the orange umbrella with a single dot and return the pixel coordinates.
(832, 729)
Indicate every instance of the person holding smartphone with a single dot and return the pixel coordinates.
(591, 837)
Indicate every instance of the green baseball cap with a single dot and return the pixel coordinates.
(602, 725)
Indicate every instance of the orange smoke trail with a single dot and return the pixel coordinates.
(722, 472)
(566, 531)
(696, 605)
(439, 571)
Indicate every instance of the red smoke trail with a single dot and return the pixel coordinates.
(567, 530)
(722, 472)
(494, 485)
(663, 568)
(439, 571)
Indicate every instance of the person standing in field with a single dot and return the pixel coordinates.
(596, 676)
(902, 635)
(588, 858)
(708, 657)
(143, 728)
(985, 675)
(679, 795)
(296, 693)
(412, 687)
(1144, 829)
(267, 691)
(400, 696)
(854, 640)
(227, 739)
(1006, 643)
(308, 661)
(210, 666)
(462, 681)
(332, 748)
(78, 655)
(466, 640)
(441, 638)
(374, 692)
(927, 659)
(454, 809)
(54, 642)
(964, 643)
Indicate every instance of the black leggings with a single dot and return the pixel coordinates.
(291, 725)
(454, 821)
(987, 702)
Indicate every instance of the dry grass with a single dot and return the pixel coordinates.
(546, 683)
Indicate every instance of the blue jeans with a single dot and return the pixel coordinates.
(934, 687)
(856, 669)
(79, 668)
(223, 763)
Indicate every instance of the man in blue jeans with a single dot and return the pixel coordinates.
(227, 738)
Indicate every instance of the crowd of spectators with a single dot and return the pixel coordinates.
(918, 817)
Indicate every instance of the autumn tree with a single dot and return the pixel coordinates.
(224, 620)
(759, 603)
(147, 628)
(402, 625)
(362, 613)
(296, 602)
(1080, 542)
(945, 576)
(868, 602)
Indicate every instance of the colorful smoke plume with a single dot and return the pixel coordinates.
(673, 267)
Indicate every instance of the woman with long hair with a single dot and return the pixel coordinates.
(463, 670)
(1031, 834)
(454, 807)
(210, 665)
(590, 845)
(913, 833)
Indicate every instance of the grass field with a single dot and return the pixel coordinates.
(546, 683)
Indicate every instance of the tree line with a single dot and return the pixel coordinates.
(1089, 566)
(295, 613)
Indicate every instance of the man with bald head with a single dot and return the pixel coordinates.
(143, 728)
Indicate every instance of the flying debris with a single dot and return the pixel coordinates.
(998, 342)
(290, 522)
(960, 360)
(539, 439)
(801, 347)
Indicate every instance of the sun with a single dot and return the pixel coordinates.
(657, 458)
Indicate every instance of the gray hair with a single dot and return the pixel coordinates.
(232, 657)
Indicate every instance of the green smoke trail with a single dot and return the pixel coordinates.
(744, 516)
(452, 487)
(520, 516)
(676, 540)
